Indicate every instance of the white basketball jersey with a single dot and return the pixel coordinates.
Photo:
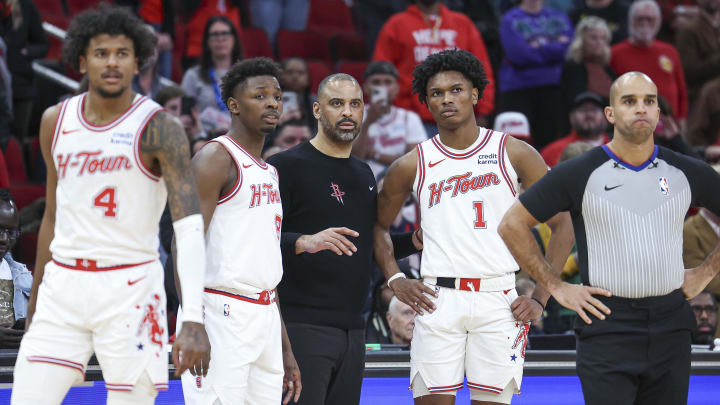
(463, 195)
(243, 239)
(108, 204)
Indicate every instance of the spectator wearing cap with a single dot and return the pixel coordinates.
(535, 40)
(659, 60)
(588, 124)
(515, 124)
(388, 132)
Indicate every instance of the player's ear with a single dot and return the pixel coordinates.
(316, 110)
(233, 106)
(82, 64)
(609, 114)
(475, 95)
(137, 68)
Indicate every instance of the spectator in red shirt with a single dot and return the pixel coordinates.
(424, 28)
(199, 12)
(588, 124)
(657, 59)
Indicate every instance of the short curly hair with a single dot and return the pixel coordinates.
(453, 59)
(111, 20)
(245, 69)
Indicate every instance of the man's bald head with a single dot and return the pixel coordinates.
(335, 78)
(625, 79)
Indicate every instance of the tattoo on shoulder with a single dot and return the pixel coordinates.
(164, 138)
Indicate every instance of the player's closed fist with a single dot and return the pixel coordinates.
(191, 350)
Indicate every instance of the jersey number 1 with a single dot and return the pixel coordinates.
(106, 201)
(479, 215)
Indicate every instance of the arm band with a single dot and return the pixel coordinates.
(399, 274)
(190, 242)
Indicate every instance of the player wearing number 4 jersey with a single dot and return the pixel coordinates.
(471, 321)
(113, 159)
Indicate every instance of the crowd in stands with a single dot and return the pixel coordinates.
(550, 64)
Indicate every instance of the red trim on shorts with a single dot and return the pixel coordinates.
(264, 298)
(486, 388)
(445, 388)
(60, 362)
(161, 386)
(100, 128)
(501, 163)
(421, 165)
(238, 181)
(91, 265)
(136, 150)
(458, 156)
(119, 387)
(58, 126)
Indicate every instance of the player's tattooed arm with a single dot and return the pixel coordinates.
(164, 145)
(396, 188)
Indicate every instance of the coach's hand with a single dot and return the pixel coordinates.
(191, 350)
(413, 293)
(580, 298)
(292, 383)
(526, 309)
(329, 239)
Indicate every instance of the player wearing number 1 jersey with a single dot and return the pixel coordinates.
(114, 158)
(471, 321)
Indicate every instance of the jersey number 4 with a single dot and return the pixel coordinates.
(106, 201)
(479, 215)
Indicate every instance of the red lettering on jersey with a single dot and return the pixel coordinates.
(278, 225)
(63, 164)
(461, 183)
(435, 193)
(255, 199)
(104, 164)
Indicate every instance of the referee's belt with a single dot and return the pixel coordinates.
(265, 297)
(504, 282)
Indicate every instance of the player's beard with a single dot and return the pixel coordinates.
(338, 134)
(110, 94)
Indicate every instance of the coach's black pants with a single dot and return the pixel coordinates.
(331, 361)
(639, 355)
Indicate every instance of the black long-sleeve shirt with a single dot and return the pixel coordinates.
(30, 36)
(320, 192)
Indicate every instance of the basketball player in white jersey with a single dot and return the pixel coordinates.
(471, 322)
(240, 203)
(113, 159)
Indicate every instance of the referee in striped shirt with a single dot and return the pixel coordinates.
(627, 200)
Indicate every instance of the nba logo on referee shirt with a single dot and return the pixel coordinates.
(226, 309)
(664, 186)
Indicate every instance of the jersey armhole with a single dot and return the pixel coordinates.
(238, 179)
(420, 171)
(58, 126)
(503, 168)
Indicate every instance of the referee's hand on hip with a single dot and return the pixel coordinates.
(579, 298)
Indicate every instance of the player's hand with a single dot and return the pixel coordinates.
(580, 298)
(417, 239)
(330, 239)
(191, 350)
(292, 383)
(694, 282)
(414, 293)
(526, 309)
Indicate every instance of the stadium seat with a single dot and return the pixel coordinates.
(24, 194)
(56, 44)
(15, 162)
(318, 71)
(4, 177)
(255, 43)
(329, 17)
(49, 8)
(77, 6)
(348, 46)
(303, 44)
(26, 250)
(354, 69)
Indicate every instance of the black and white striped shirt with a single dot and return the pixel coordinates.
(628, 220)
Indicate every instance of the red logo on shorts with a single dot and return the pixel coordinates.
(152, 321)
(522, 339)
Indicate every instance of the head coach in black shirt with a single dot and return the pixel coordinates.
(628, 200)
(329, 208)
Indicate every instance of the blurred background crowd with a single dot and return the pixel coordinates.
(551, 63)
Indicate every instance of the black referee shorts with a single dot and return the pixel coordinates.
(638, 355)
